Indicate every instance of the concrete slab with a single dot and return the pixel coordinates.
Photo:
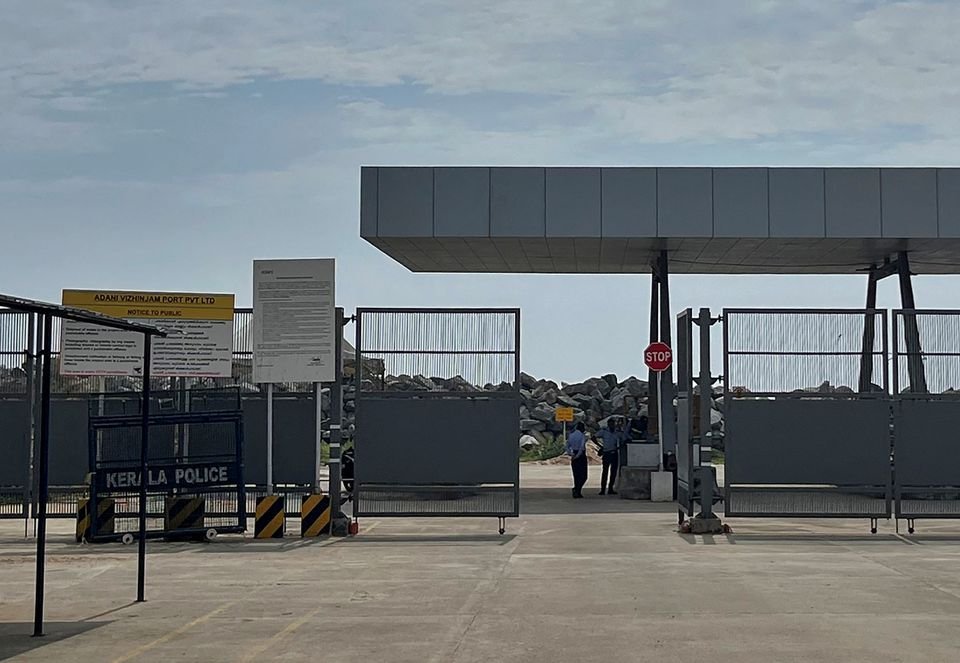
(598, 579)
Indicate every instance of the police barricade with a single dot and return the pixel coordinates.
(195, 486)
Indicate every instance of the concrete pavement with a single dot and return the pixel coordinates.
(599, 579)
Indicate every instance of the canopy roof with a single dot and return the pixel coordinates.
(616, 220)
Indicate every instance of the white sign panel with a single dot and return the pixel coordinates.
(293, 320)
(199, 340)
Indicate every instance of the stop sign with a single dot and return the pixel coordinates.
(658, 357)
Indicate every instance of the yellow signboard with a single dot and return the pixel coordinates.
(564, 414)
(153, 305)
(199, 341)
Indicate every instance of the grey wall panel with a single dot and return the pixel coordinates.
(629, 202)
(853, 202)
(684, 202)
(517, 202)
(405, 207)
(796, 202)
(465, 441)
(806, 441)
(926, 452)
(573, 202)
(294, 439)
(909, 199)
(740, 202)
(255, 439)
(462, 202)
(368, 202)
(14, 441)
(948, 194)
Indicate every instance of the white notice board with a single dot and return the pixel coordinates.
(293, 320)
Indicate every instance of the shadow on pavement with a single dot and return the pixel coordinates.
(16, 638)
(427, 539)
(557, 501)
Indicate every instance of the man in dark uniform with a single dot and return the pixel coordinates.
(577, 450)
(611, 438)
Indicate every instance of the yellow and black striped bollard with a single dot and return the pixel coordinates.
(315, 515)
(184, 513)
(105, 523)
(270, 517)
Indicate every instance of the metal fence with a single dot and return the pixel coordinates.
(18, 336)
(441, 437)
(805, 352)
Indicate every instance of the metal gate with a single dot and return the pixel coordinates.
(802, 438)
(437, 420)
(926, 381)
(195, 479)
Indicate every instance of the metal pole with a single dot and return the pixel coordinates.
(911, 330)
(336, 422)
(44, 473)
(187, 406)
(270, 439)
(869, 333)
(661, 413)
(668, 419)
(706, 407)
(318, 463)
(144, 477)
(31, 419)
(653, 392)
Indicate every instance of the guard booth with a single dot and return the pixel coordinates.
(195, 483)
(437, 419)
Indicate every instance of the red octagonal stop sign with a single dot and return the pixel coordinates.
(658, 357)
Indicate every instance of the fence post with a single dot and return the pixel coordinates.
(337, 524)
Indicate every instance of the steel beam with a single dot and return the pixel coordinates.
(869, 331)
(911, 331)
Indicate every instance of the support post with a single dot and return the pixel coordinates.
(31, 363)
(270, 438)
(911, 331)
(144, 477)
(653, 391)
(706, 406)
(318, 439)
(869, 333)
(668, 421)
(338, 524)
(44, 468)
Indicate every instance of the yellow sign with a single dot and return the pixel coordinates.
(152, 305)
(564, 414)
(199, 341)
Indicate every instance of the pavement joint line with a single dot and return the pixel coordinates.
(129, 656)
(475, 604)
(287, 630)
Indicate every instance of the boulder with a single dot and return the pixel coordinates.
(531, 425)
(611, 380)
(565, 401)
(528, 442)
(578, 389)
(635, 387)
(528, 381)
(543, 412)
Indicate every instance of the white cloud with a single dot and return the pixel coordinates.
(654, 72)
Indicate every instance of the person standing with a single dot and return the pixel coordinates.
(611, 437)
(577, 450)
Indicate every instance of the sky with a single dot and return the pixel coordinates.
(165, 145)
